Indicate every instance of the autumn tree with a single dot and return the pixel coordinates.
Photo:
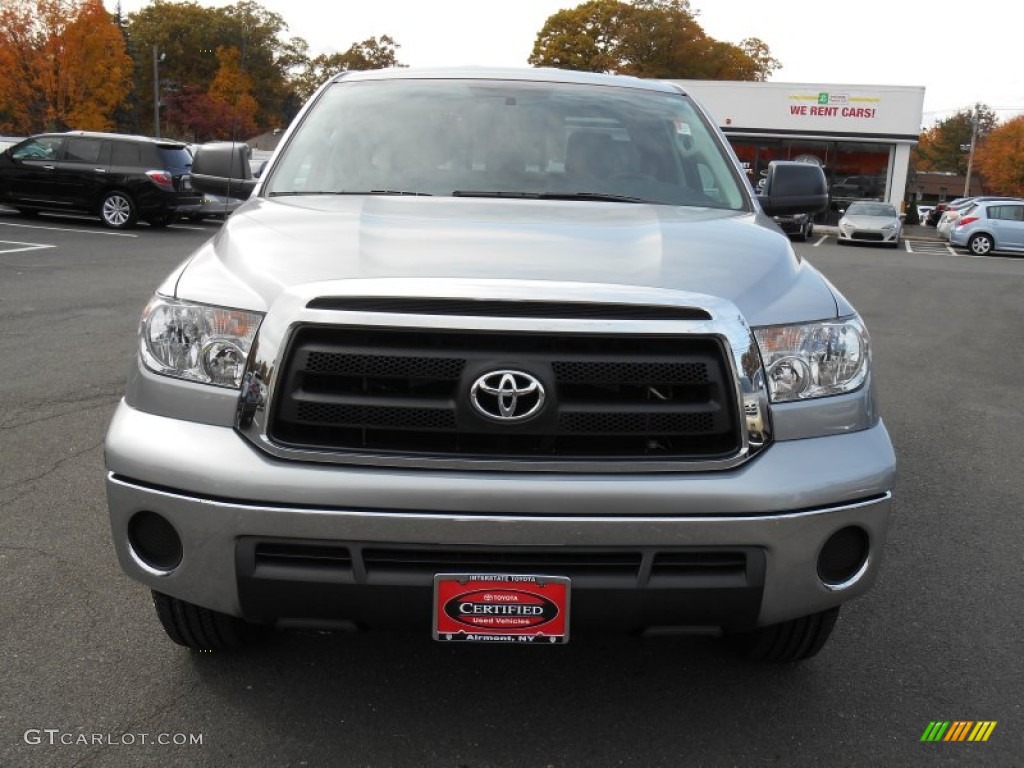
(64, 65)
(646, 38)
(1000, 159)
(374, 53)
(22, 107)
(232, 88)
(945, 146)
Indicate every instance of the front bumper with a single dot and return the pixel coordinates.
(869, 236)
(221, 494)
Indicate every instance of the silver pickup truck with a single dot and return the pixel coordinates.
(504, 356)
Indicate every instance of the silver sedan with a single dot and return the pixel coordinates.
(870, 222)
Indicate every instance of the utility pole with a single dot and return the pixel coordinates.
(157, 58)
(970, 156)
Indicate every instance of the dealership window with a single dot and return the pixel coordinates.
(854, 170)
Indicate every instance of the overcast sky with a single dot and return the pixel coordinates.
(959, 55)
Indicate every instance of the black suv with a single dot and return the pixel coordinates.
(121, 178)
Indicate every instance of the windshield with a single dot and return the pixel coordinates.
(507, 139)
(871, 209)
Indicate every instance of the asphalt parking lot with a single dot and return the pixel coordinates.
(90, 680)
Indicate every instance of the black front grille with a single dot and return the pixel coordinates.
(870, 236)
(407, 392)
(296, 560)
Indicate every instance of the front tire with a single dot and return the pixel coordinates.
(201, 629)
(980, 245)
(789, 641)
(118, 210)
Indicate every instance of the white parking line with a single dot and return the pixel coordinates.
(24, 246)
(65, 229)
(821, 240)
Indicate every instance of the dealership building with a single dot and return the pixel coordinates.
(861, 135)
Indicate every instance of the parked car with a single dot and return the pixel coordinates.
(923, 212)
(501, 355)
(990, 225)
(870, 222)
(119, 178)
(258, 161)
(215, 207)
(953, 210)
(799, 226)
(935, 214)
(956, 210)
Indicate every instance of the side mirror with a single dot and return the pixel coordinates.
(793, 187)
(223, 169)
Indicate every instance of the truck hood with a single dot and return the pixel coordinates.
(271, 245)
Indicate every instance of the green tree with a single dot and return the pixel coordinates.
(188, 36)
(646, 38)
(374, 53)
(945, 147)
(764, 63)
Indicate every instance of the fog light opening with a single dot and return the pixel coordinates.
(154, 543)
(843, 559)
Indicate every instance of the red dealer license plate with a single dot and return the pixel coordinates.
(500, 608)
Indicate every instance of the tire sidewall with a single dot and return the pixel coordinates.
(124, 203)
(976, 240)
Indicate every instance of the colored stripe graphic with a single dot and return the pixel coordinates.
(935, 730)
(982, 730)
(958, 730)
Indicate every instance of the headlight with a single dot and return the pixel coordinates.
(814, 360)
(890, 226)
(197, 342)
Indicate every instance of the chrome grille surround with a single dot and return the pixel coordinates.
(292, 311)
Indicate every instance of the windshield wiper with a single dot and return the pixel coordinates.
(296, 193)
(383, 192)
(597, 196)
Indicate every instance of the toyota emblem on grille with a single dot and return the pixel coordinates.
(507, 395)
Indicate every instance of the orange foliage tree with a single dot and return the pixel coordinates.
(63, 64)
(22, 109)
(1000, 159)
(231, 89)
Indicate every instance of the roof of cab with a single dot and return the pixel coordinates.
(530, 74)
